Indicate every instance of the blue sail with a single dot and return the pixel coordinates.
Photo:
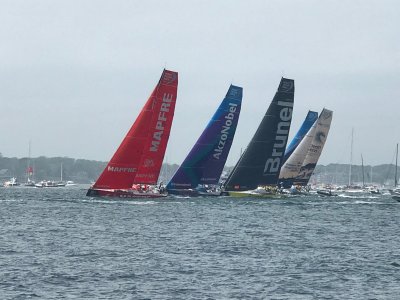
(311, 117)
(205, 162)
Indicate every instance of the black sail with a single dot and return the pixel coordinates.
(262, 160)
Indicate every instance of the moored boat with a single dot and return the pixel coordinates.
(29, 183)
(12, 182)
(395, 193)
(49, 184)
(134, 169)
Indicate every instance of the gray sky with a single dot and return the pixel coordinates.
(74, 74)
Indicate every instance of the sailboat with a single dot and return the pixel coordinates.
(134, 168)
(323, 125)
(256, 173)
(29, 170)
(362, 170)
(201, 170)
(296, 155)
(299, 167)
(52, 183)
(352, 188)
(12, 182)
(396, 191)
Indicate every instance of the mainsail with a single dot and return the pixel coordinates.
(140, 155)
(261, 162)
(206, 160)
(316, 146)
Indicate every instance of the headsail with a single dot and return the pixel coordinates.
(296, 155)
(261, 162)
(310, 119)
(316, 146)
(291, 168)
(206, 160)
(140, 155)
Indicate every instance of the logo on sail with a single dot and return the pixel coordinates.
(326, 114)
(225, 131)
(148, 163)
(234, 93)
(320, 137)
(169, 77)
(273, 163)
(121, 169)
(162, 118)
(287, 86)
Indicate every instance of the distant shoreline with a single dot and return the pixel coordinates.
(86, 171)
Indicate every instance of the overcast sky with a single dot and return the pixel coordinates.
(74, 74)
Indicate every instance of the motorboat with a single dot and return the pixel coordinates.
(12, 182)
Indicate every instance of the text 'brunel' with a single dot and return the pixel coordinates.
(162, 118)
(285, 116)
(225, 130)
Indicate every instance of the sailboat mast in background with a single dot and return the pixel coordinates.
(351, 155)
(362, 169)
(395, 170)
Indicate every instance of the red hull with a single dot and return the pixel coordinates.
(122, 193)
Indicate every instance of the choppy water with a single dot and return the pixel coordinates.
(60, 244)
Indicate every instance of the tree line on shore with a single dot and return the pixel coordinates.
(87, 171)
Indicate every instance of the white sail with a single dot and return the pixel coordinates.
(316, 146)
(291, 169)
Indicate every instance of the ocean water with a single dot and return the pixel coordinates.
(60, 244)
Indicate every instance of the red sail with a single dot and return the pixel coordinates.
(140, 155)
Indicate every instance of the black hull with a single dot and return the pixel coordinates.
(326, 193)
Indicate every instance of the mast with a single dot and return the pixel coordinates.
(28, 170)
(351, 155)
(395, 171)
(371, 174)
(362, 169)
